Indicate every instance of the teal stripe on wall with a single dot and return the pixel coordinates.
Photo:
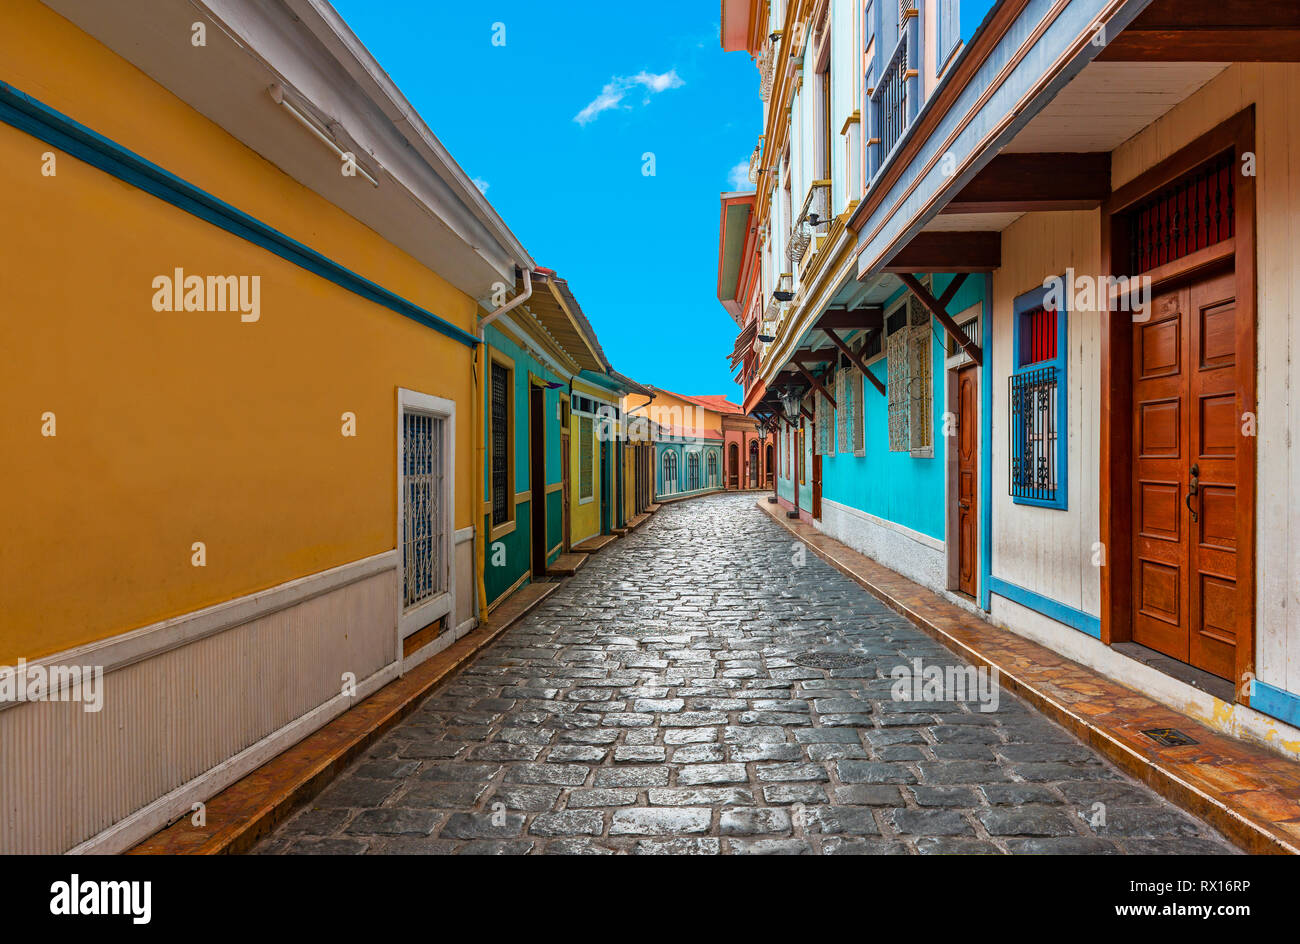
(29, 115)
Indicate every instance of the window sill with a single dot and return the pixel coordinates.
(501, 530)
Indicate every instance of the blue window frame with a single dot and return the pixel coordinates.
(1038, 401)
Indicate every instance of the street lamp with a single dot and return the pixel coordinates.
(790, 406)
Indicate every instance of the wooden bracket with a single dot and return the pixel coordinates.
(817, 384)
(857, 361)
(938, 308)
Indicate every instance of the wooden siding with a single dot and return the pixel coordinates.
(1046, 550)
(1274, 90)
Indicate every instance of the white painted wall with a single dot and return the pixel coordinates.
(1048, 550)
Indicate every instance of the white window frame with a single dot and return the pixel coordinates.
(422, 614)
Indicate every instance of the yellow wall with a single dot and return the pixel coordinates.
(584, 517)
(181, 427)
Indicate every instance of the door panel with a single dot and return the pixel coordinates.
(1215, 434)
(564, 477)
(967, 480)
(1185, 595)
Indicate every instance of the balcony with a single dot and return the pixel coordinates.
(755, 162)
(895, 99)
(811, 222)
(766, 60)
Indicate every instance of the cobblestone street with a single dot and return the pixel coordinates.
(670, 715)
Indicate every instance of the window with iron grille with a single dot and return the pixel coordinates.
(501, 498)
(422, 514)
(713, 468)
(586, 460)
(909, 380)
(824, 423)
(1037, 403)
(1191, 213)
(692, 471)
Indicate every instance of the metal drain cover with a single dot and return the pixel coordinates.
(1169, 737)
(830, 660)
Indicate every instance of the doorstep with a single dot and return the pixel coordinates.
(592, 545)
(566, 565)
(1248, 793)
(250, 808)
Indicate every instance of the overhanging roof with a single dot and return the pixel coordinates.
(733, 242)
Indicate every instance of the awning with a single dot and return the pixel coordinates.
(744, 342)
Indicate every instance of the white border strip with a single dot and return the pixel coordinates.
(149, 641)
(924, 539)
(149, 819)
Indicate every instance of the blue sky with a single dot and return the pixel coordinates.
(640, 252)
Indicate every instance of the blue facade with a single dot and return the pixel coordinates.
(897, 486)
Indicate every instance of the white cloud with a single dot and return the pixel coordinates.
(738, 177)
(482, 185)
(612, 95)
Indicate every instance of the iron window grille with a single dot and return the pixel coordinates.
(422, 527)
(670, 472)
(1034, 434)
(1037, 403)
(1191, 213)
(500, 445)
(713, 468)
(692, 471)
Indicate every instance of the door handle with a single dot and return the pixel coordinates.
(964, 505)
(1193, 487)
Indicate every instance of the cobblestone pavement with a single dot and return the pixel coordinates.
(655, 705)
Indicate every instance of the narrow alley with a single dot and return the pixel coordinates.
(734, 698)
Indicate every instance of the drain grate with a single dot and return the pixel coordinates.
(1169, 737)
(830, 660)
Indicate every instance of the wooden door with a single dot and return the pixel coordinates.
(564, 490)
(967, 504)
(816, 478)
(537, 476)
(1185, 486)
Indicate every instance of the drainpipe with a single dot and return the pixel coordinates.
(480, 555)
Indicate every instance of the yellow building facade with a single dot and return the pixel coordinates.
(239, 477)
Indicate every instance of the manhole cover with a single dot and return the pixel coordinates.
(830, 660)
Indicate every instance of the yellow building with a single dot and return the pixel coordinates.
(239, 481)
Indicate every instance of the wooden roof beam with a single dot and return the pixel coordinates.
(971, 251)
(1209, 31)
(852, 319)
(1027, 183)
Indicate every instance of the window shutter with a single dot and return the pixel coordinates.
(922, 392)
(949, 28)
(858, 392)
(832, 421)
(898, 391)
(844, 413)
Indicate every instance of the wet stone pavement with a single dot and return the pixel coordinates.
(654, 705)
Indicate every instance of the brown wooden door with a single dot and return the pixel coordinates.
(1185, 487)
(967, 510)
(537, 476)
(816, 481)
(564, 490)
